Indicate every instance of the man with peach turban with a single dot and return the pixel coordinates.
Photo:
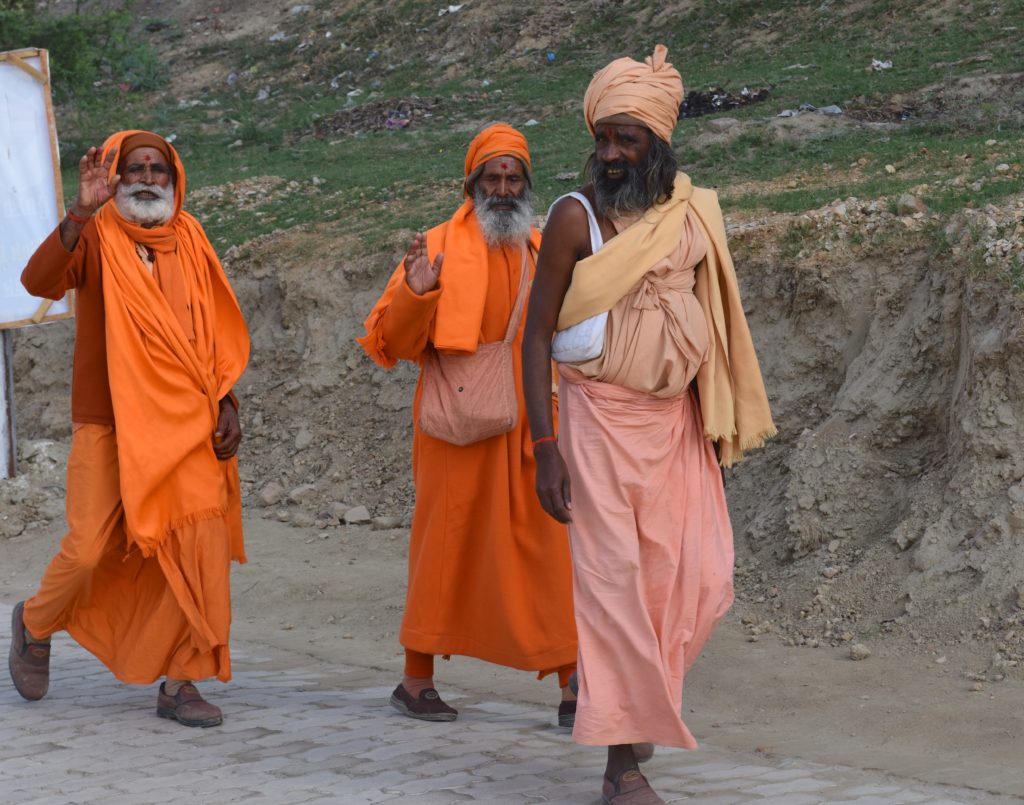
(153, 505)
(489, 571)
(637, 301)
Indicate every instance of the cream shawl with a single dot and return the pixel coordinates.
(733, 402)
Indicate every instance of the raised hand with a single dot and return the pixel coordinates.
(420, 274)
(94, 188)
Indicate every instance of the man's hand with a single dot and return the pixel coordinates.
(420, 274)
(94, 188)
(553, 482)
(229, 433)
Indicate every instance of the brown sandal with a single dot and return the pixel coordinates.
(629, 787)
(428, 706)
(188, 707)
(28, 661)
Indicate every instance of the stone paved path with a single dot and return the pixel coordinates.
(320, 733)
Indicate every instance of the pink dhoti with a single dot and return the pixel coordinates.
(652, 555)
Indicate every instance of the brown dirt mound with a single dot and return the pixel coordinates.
(379, 115)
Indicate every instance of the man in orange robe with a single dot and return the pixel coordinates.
(489, 572)
(153, 505)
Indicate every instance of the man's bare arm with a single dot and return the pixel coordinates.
(566, 237)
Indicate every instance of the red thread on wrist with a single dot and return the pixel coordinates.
(77, 218)
(543, 439)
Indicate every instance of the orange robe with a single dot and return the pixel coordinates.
(168, 615)
(489, 571)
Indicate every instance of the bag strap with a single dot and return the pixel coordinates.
(517, 311)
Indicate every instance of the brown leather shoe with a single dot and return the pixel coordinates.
(629, 787)
(29, 662)
(428, 707)
(188, 707)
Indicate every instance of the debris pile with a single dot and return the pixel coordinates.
(707, 102)
(376, 115)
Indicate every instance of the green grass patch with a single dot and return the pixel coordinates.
(377, 182)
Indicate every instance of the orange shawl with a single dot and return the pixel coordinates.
(168, 375)
(460, 307)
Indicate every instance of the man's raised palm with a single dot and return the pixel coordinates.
(420, 274)
(94, 187)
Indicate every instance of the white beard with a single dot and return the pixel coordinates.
(503, 227)
(151, 211)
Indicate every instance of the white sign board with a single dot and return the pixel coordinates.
(31, 202)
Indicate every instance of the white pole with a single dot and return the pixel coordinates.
(8, 454)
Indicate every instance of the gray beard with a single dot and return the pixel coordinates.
(146, 211)
(504, 227)
(630, 194)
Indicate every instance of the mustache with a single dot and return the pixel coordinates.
(161, 193)
(601, 169)
(491, 202)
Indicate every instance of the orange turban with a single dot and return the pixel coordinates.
(651, 92)
(144, 139)
(496, 141)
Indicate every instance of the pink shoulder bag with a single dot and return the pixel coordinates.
(468, 398)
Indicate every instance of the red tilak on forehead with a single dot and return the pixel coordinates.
(504, 166)
(146, 158)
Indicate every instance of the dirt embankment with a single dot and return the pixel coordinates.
(893, 500)
(890, 503)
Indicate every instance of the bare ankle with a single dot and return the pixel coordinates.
(620, 757)
(415, 685)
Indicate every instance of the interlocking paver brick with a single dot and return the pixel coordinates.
(319, 733)
(790, 787)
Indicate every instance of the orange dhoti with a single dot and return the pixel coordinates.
(652, 556)
(166, 615)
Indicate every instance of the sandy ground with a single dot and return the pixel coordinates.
(337, 595)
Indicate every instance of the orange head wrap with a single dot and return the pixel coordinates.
(144, 139)
(496, 141)
(651, 92)
(128, 141)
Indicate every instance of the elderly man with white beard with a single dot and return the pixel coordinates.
(489, 572)
(153, 504)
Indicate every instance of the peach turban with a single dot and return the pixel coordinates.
(651, 92)
(497, 140)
